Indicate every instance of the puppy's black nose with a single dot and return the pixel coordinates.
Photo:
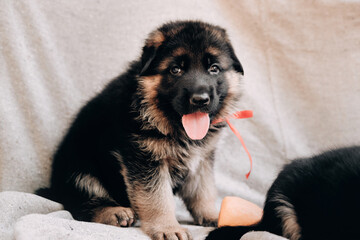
(200, 100)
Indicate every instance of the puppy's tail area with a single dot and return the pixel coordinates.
(232, 233)
(47, 193)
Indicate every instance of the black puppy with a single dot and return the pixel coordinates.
(315, 198)
(148, 135)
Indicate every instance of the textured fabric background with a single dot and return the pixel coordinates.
(302, 80)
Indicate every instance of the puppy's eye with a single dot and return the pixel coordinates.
(176, 70)
(214, 69)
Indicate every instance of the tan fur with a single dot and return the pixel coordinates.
(234, 80)
(91, 185)
(150, 114)
(162, 148)
(216, 32)
(179, 52)
(155, 39)
(165, 64)
(291, 228)
(213, 51)
(230, 104)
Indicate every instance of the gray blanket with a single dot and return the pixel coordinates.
(301, 62)
(27, 216)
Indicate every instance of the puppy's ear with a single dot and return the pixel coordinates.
(152, 44)
(147, 56)
(236, 63)
(221, 35)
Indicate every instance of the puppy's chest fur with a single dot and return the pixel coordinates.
(188, 168)
(182, 159)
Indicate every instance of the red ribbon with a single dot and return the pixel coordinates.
(238, 115)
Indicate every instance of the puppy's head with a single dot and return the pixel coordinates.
(188, 69)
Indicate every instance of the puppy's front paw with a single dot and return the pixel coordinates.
(169, 233)
(116, 216)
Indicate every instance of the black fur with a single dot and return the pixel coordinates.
(323, 192)
(112, 123)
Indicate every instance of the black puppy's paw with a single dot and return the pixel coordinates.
(209, 223)
(206, 221)
(227, 233)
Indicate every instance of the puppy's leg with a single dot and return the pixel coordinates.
(199, 195)
(87, 199)
(150, 194)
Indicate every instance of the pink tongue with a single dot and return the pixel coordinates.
(196, 125)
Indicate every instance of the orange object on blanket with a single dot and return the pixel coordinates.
(236, 211)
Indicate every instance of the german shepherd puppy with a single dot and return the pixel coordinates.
(148, 135)
(315, 198)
